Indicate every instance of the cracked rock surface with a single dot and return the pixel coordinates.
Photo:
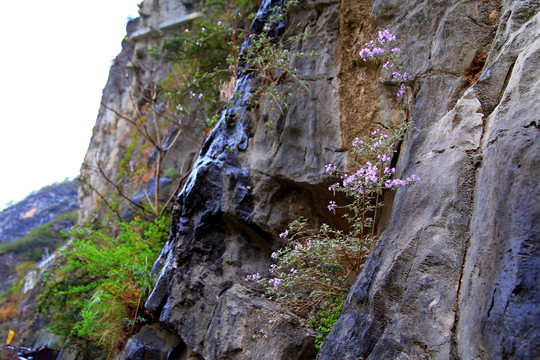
(455, 274)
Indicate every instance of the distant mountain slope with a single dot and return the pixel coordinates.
(37, 209)
(30, 229)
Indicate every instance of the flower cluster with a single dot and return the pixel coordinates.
(382, 51)
(372, 178)
(320, 261)
(253, 277)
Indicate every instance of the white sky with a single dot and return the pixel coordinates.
(54, 63)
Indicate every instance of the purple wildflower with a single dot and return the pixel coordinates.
(331, 205)
(253, 277)
(395, 183)
(329, 168)
(385, 36)
(383, 157)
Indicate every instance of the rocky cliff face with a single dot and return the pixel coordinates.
(45, 212)
(19, 219)
(131, 74)
(454, 274)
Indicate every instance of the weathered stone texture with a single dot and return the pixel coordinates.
(455, 274)
(154, 343)
(132, 70)
(498, 306)
(248, 182)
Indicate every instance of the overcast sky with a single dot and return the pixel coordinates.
(55, 60)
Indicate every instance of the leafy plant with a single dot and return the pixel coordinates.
(95, 294)
(211, 56)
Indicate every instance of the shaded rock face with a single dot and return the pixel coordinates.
(455, 272)
(154, 343)
(239, 197)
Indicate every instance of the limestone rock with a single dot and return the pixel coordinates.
(112, 133)
(453, 274)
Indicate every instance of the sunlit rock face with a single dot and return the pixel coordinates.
(455, 272)
(131, 71)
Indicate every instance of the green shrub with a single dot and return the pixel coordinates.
(95, 294)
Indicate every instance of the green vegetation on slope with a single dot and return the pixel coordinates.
(95, 293)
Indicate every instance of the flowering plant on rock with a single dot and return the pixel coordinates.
(313, 273)
(383, 51)
(320, 263)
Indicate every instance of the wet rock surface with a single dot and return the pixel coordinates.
(220, 232)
